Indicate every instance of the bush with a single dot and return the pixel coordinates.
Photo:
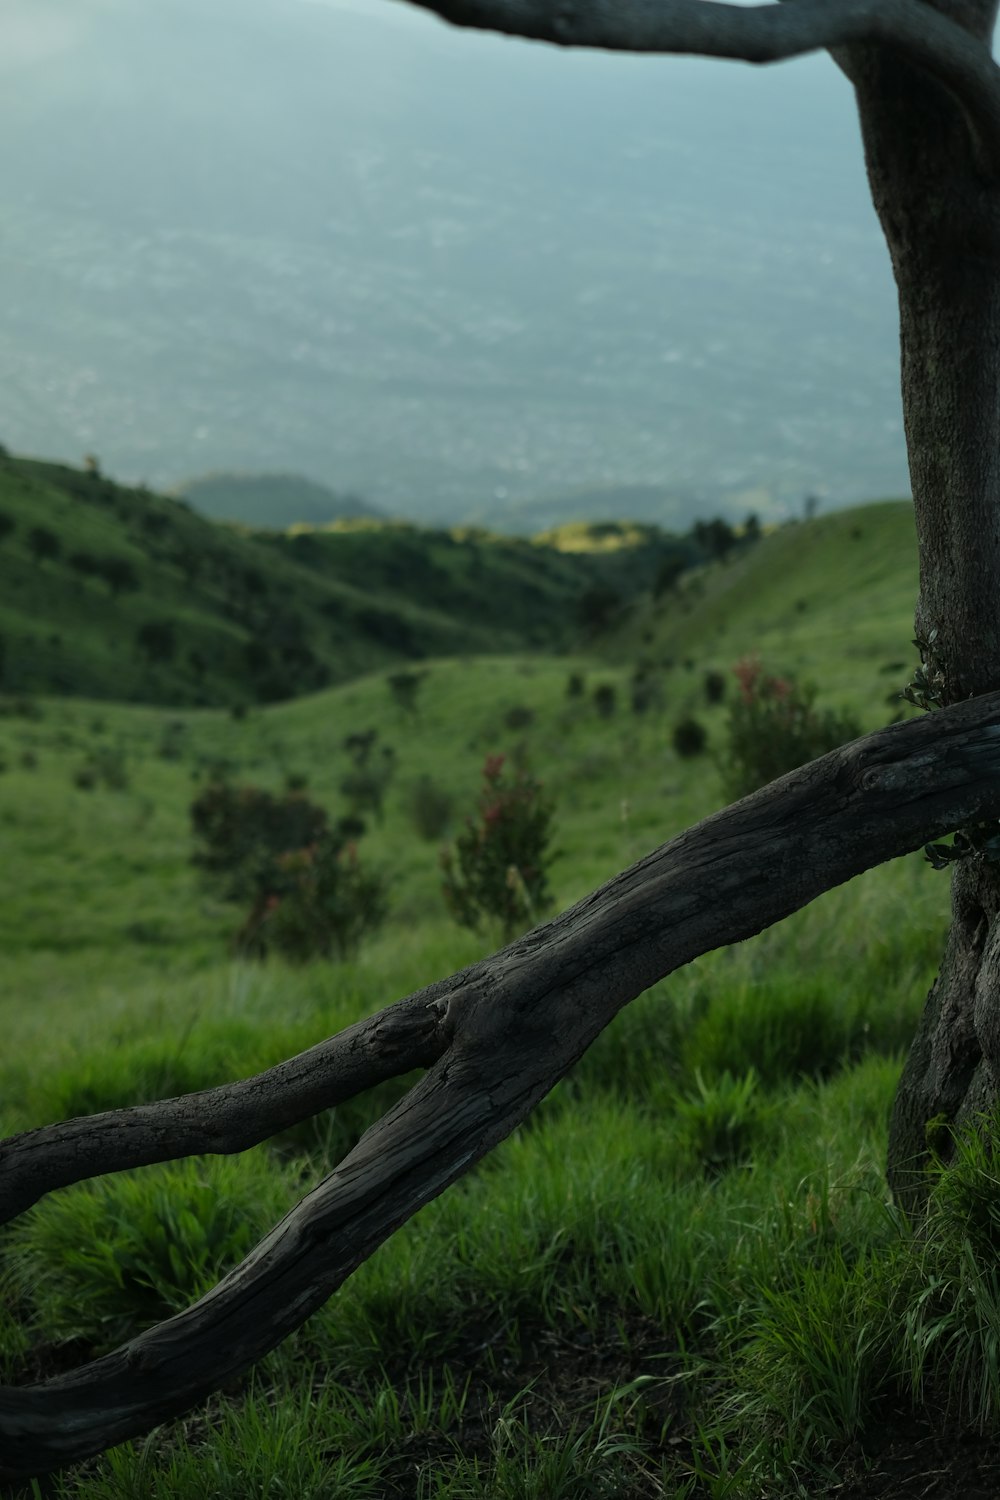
(498, 868)
(431, 807)
(605, 699)
(689, 738)
(105, 766)
(715, 687)
(774, 726)
(519, 716)
(243, 829)
(320, 903)
(575, 685)
(365, 787)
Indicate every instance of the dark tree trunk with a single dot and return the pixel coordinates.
(941, 219)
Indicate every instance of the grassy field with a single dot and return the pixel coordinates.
(681, 1277)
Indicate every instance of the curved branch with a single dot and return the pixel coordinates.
(410, 1034)
(758, 34)
(517, 1022)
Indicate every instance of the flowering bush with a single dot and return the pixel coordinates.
(775, 726)
(497, 869)
(319, 903)
(242, 829)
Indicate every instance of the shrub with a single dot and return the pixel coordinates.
(575, 685)
(689, 738)
(242, 829)
(498, 868)
(105, 766)
(320, 902)
(431, 807)
(519, 716)
(365, 787)
(44, 543)
(404, 687)
(715, 687)
(605, 699)
(774, 726)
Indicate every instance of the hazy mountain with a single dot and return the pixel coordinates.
(275, 500)
(443, 271)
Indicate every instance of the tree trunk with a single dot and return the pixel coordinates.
(941, 219)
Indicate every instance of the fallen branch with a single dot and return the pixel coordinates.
(497, 1037)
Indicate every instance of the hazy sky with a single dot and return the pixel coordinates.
(445, 268)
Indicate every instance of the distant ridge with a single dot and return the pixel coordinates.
(274, 501)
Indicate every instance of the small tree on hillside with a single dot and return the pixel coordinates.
(498, 868)
(44, 544)
(157, 639)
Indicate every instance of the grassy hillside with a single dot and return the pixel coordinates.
(680, 1278)
(118, 593)
(830, 600)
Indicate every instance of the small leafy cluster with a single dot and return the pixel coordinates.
(498, 868)
(981, 838)
(774, 726)
(926, 688)
(310, 896)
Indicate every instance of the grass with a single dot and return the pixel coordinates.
(680, 1277)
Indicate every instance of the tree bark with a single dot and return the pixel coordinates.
(941, 216)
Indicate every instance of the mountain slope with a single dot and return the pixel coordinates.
(119, 593)
(830, 600)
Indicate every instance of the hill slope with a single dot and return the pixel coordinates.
(119, 593)
(830, 600)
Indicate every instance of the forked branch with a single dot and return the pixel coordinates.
(497, 1036)
(760, 34)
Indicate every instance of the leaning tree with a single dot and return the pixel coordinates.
(493, 1039)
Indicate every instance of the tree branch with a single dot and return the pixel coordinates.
(514, 1024)
(222, 1121)
(759, 34)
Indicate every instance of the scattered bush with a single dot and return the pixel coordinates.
(431, 807)
(575, 685)
(319, 902)
(105, 766)
(404, 687)
(243, 829)
(605, 699)
(715, 687)
(689, 738)
(366, 786)
(498, 868)
(44, 544)
(774, 727)
(519, 717)
(157, 641)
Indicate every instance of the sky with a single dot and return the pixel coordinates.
(459, 274)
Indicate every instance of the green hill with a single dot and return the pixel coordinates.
(830, 600)
(113, 592)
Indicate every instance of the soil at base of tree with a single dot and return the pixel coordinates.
(909, 1456)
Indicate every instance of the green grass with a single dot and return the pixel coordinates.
(680, 1277)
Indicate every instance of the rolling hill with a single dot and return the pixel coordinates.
(112, 592)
